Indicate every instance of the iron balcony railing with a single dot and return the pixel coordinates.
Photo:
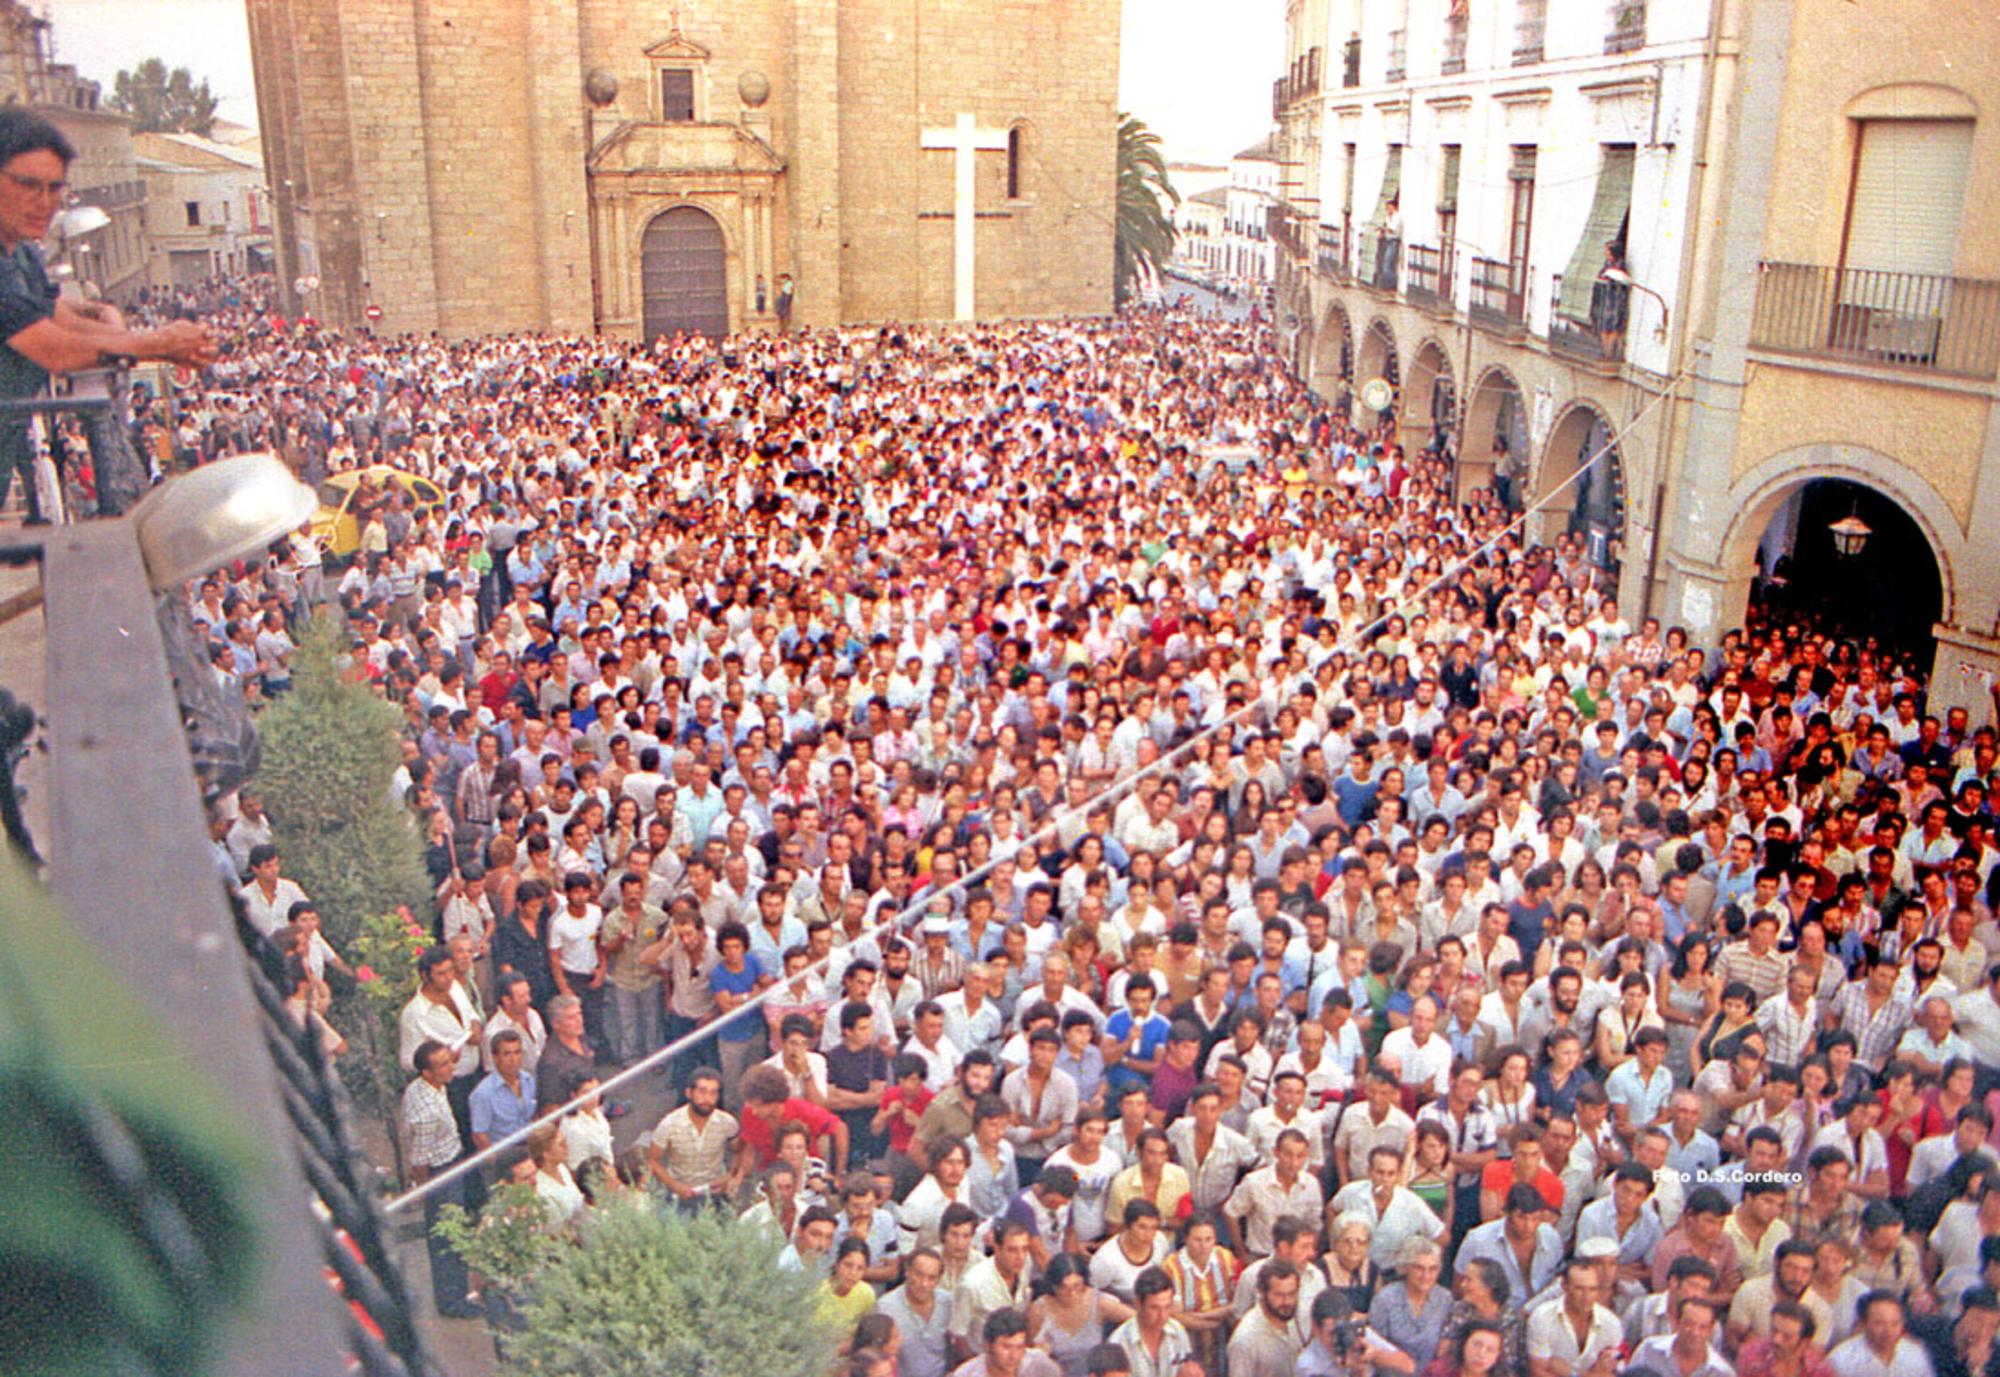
(1427, 281)
(1381, 259)
(1530, 28)
(1499, 294)
(1628, 26)
(1600, 337)
(1350, 63)
(1939, 324)
(1333, 252)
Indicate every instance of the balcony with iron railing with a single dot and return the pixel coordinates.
(1332, 254)
(1453, 61)
(1628, 26)
(1350, 62)
(1381, 260)
(1530, 29)
(1919, 321)
(1498, 298)
(1598, 338)
(1427, 279)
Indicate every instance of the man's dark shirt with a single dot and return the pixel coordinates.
(850, 1070)
(559, 1073)
(26, 296)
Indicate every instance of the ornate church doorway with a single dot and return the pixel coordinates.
(683, 272)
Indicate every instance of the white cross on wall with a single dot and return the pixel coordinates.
(964, 140)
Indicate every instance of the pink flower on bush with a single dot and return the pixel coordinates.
(364, 974)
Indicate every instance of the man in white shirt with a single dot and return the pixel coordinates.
(1881, 1348)
(1393, 1209)
(514, 995)
(1416, 1055)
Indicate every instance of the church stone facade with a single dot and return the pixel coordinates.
(638, 167)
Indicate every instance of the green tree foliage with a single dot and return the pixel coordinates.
(509, 1242)
(384, 953)
(652, 1292)
(127, 1234)
(330, 752)
(1145, 230)
(162, 101)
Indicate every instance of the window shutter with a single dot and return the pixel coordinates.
(676, 95)
(1392, 185)
(1447, 202)
(1909, 196)
(1608, 210)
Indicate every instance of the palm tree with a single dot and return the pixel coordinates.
(1145, 231)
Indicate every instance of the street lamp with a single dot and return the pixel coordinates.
(1850, 534)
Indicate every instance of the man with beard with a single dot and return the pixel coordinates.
(947, 1119)
(1266, 1341)
(1758, 1299)
(689, 1152)
(1790, 1351)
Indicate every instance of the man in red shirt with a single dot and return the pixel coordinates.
(766, 1105)
(1525, 1168)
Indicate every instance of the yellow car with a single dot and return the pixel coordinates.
(334, 525)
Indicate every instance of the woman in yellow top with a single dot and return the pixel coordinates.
(844, 1297)
(1296, 476)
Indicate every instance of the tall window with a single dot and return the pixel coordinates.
(194, 214)
(1447, 201)
(1908, 200)
(1521, 213)
(1604, 230)
(677, 95)
(1347, 194)
(1015, 138)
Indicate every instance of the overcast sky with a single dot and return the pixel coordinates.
(1198, 71)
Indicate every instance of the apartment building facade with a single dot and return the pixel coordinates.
(1644, 261)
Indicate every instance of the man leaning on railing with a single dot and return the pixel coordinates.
(43, 333)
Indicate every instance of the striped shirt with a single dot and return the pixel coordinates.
(1764, 974)
(696, 1156)
(1877, 1032)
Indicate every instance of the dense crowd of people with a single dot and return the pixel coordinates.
(1475, 980)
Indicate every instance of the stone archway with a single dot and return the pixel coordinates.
(1378, 360)
(1496, 428)
(1758, 496)
(1333, 360)
(1430, 396)
(1580, 484)
(684, 274)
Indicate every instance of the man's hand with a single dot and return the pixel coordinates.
(185, 342)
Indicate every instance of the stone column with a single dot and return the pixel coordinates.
(1700, 594)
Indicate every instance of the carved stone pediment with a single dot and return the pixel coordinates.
(708, 148)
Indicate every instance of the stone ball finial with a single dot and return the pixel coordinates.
(754, 87)
(600, 87)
